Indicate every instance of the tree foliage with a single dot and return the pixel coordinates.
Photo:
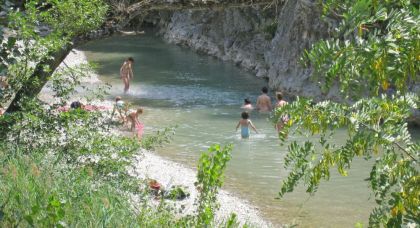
(38, 40)
(210, 176)
(374, 59)
(69, 168)
(375, 47)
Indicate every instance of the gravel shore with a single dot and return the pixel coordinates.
(170, 173)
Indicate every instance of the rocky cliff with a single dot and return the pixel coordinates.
(268, 42)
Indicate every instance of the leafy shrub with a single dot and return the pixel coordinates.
(210, 178)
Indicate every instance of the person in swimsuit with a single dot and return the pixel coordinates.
(247, 105)
(264, 101)
(284, 118)
(136, 125)
(120, 108)
(244, 123)
(126, 73)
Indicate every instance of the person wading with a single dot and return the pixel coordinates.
(126, 72)
(264, 101)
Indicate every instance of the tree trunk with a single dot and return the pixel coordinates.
(39, 78)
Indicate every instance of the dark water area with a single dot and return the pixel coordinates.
(202, 96)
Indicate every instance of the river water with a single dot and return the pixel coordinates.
(202, 96)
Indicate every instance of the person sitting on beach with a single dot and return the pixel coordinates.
(120, 108)
(247, 105)
(73, 105)
(79, 105)
(126, 72)
(284, 118)
(244, 123)
(264, 101)
(136, 125)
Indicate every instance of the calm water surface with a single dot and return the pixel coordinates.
(202, 96)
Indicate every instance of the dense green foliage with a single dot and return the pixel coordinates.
(376, 47)
(374, 54)
(70, 168)
(210, 178)
(39, 38)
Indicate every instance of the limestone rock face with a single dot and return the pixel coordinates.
(266, 42)
(230, 34)
(299, 27)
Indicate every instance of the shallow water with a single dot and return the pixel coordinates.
(202, 96)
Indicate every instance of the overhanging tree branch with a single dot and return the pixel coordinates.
(43, 70)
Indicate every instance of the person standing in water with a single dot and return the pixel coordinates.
(126, 72)
(245, 123)
(284, 118)
(264, 101)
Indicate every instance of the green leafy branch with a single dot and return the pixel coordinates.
(376, 128)
(210, 176)
(375, 49)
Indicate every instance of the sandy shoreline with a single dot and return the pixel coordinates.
(170, 173)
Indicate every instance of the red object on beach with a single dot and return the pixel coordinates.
(139, 129)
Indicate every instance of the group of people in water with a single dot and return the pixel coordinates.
(126, 74)
(263, 105)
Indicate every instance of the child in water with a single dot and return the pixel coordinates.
(284, 118)
(136, 125)
(247, 105)
(245, 122)
(119, 107)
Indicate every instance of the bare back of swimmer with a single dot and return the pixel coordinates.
(264, 101)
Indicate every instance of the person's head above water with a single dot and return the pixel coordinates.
(130, 59)
(247, 101)
(118, 98)
(245, 115)
(264, 89)
(279, 96)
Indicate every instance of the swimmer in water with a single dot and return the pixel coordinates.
(284, 118)
(245, 123)
(247, 105)
(264, 101)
